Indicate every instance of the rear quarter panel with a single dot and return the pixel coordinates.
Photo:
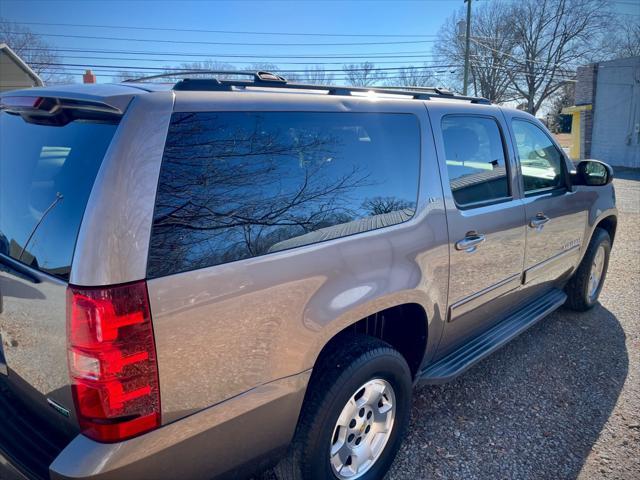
(223, 330)
(114, 237)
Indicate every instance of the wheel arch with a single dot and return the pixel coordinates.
(404, 326)
(608, 223)
(607, 220)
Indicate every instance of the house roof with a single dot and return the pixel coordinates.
(4, 48)
(344, 229)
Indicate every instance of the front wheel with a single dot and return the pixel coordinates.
(584, 287)
(355, 414)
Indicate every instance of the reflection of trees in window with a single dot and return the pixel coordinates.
(229, 187)
(381, 205)
(232, 185)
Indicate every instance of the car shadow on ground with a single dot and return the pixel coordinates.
(533, 410)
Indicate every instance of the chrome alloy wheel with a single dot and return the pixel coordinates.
(595, 275)
(363, 429)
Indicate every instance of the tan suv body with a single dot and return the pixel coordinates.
(441, 233)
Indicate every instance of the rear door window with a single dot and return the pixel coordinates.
(475, 160)
(235, 185)
(46, 175)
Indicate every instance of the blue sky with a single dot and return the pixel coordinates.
(422, 18)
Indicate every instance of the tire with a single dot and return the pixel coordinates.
(580, 293)
(351, 364)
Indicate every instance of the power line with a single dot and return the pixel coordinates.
(333, 74)
(543, 62)
(331, 78)
(201, 42)
(398, 70)
(234, 32)
(90, 65)
(166, 60)
(283, 59)
(420, 53)
(242, 56)
(170, 69)
(209, 56)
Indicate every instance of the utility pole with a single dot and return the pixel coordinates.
(466, 51)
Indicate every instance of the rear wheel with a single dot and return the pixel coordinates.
(355, 414)
(586, 284)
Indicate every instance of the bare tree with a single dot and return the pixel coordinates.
(209, 65)
(382, 205)
(414, 77)
(489, 58)
(363, 74)
(37, 53)
(551, 38)
(125, 75)
(622, 41)
(629, 45)
(317, 75)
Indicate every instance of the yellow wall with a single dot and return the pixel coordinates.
(574, 151)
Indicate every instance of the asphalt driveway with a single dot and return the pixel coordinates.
(562, 401)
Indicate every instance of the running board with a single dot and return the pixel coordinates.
(488, 342)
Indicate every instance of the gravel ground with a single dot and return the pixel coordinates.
(562, 401)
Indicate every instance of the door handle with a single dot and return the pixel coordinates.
(470, 242)
(538, 221)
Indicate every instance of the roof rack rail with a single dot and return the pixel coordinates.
(257, 76)
(439, 90)
(272, 80)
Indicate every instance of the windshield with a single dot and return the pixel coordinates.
(46, 175)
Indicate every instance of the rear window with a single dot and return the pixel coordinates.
(235, 185)
(46, 175)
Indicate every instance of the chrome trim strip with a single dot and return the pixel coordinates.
(483, 296)
(550, 263)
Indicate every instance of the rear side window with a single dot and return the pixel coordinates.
(235, 185)
(46, 175)
(540, 160)
(475, 159)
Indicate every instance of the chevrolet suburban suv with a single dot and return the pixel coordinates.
(207, 278)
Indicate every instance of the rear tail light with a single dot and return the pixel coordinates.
(112, 361)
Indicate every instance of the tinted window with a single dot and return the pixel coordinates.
(475, 159)
(235, 185)
(540, 160)
(46, 175)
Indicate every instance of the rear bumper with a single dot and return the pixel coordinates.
(228, 440)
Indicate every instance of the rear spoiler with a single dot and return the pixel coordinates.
(48, 110)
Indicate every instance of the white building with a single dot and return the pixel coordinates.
(14, 73)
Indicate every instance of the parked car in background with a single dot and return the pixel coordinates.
(206, 278)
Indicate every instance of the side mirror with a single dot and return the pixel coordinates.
(592, 173)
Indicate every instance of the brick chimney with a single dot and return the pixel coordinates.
(88, 77)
